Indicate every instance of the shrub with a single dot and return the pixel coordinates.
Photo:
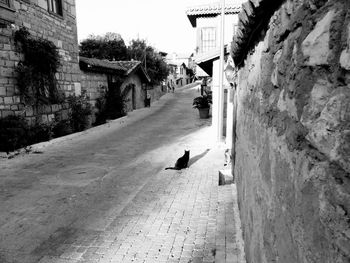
(81, 111)
(111, 105)
(202, 102)
(62, 128)
(40, 132)
(36, 73)
(13, 133)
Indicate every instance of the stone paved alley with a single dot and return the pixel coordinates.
(103, 195)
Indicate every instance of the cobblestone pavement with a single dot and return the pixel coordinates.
(116, 203)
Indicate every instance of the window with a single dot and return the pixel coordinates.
(7, 13)
(55, 6)
(208, 37)
(5, 2)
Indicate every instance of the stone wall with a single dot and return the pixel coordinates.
(156, 92)
(292, 149)
(62, 31)
(137, 92)
(93, 85)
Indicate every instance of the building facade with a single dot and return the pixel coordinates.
(54, 20)
(127, 76)
(207, 21)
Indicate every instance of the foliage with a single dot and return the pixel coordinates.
(62, 128)
(111, 46)
(202, 102)
(40, 132)
(112, 104)
(81, 111)
(36, 74)
(153, 62)
(13, 131)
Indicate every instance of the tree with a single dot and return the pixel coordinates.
(153, 62)
(111, 46)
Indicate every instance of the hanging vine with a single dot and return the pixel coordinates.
(37, 72)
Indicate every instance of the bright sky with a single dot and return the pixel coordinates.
(163, 23)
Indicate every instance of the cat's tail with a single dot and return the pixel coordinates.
(171, 168)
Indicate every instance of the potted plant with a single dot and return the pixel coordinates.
(202, 103)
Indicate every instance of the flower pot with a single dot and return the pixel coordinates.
(203, 113)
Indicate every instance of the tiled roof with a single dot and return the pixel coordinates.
(127, 66)
(124, 67)
(213, 9)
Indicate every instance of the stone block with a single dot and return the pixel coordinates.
(77, 89)
(8, 100)
(6, 113)
(225, 177)
(29, 112)
(64, 114)
(14, 107)
(345, 55)
(286, 104)
(44, 119)
(16, 99)
(319, 97)
(51, 117)
(7, 47)
(4, 55)
(315, 47)
(2, 91)
(55, 107)
(7, 72)
(328, 132)
(275, 78)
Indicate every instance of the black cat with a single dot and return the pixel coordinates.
(182, 162)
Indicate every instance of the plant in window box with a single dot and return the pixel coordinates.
(202, 103)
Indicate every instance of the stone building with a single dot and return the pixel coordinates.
(292, 116)
(54, 20)
(99, 75)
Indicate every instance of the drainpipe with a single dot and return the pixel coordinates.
(221, 76)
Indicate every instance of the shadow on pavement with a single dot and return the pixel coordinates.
(198, 157)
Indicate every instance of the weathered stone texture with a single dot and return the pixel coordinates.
(94, 85)
(316, 45)
(62, 31)
(293, 136)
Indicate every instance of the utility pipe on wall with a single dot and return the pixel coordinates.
(221, 76)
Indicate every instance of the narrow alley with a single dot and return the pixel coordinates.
(103, 195)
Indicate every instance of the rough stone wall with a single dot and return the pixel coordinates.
(93, 85)
(293, 136)
(156, 92)
(139, 92)
(62, 31)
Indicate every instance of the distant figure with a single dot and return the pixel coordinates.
(173, 88)
(169, 87)
(148, 100)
